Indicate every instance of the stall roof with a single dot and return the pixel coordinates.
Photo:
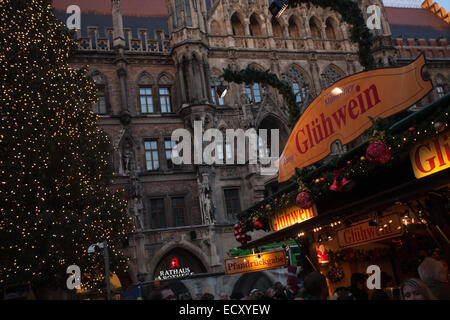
(407, 190)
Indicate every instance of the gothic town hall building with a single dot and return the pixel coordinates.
(156, 74)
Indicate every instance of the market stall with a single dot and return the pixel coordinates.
(384, 203)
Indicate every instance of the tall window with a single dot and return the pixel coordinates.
(164, 95)
(151, 155)
(169, 145)
(224, 151)
(215, 97)
(441, 86)
(188, 13)
(232, 202)
(254, 93)
(298, 83)
(179, 211)
(263, 148)
(146, 98)
(178, 12)
(101, 103)
(157, 217)
(330, 76)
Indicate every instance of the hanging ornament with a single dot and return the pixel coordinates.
(304, 200)
(412, 130)
(337, 184)
(276, 200)
(378, 153)
(347, 184)
(268, 207)
(236, 226)
(236, 233)
(257, 225)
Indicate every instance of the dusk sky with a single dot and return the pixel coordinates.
(129, 7)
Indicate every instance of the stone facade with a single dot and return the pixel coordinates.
(308, 46)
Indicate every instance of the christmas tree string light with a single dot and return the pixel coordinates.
(55, 162)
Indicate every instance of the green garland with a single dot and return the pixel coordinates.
(251, 75)
(400, 137)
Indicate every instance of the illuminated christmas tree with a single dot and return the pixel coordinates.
(55, 162)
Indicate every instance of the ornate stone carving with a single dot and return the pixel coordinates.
(206, 203)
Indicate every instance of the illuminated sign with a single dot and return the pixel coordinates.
(291, 216)
(256, 262)
(431, 156)
(174, 271)
(362, 233)
(342, 112)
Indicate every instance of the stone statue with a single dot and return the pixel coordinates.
(137, 208)
(206, 204)
(128, 157)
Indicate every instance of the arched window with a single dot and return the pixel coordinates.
(102, 106)
(255, 28)
(165, 85)
(213, 84)
(331, 75)
(237, 26)
(255, 92)
(329, 30)
(146, 93)
(215, 28)
(276, 29)
(298, 82)
(294, 31)
(314, 27)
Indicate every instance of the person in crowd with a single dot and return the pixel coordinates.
(415, 289)
(270, 293)
(256, 294)
(434, 274)
(207, 296)
(186, 296)
(315, 287)
(236, 296)
(280, 293)
(198, 296)
(358, 286)
(163, 293)
(379, 294)
(223, 296)
(342, 293)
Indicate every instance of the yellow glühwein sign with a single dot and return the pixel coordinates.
(363, 233)
(291, 216)
(256, 262)
(342, 112)
(431, 156)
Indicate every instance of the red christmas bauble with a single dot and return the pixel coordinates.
(378, 153)
(236, 226)
(236, 233)
(239, 237)
(239, 230)
(257, 225)
(248, 238)
(304, 200)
